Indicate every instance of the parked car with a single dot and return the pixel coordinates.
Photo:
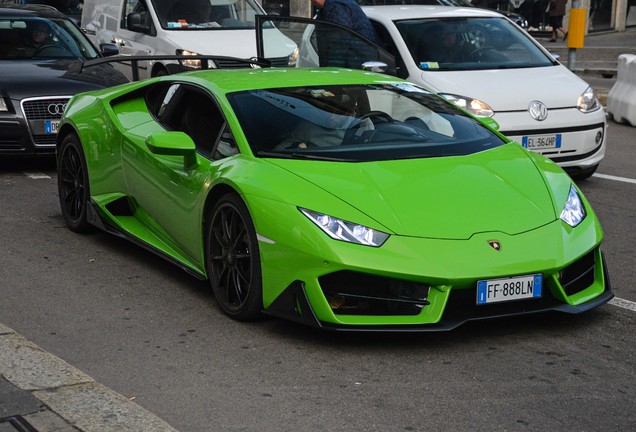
(333, 197)
(181, 27)
(40, 50)
(491, 68)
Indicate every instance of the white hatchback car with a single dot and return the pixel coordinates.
(485, 63)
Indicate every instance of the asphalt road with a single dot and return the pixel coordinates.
(155, 335)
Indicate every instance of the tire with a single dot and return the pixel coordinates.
(233, 259)
(72, 185)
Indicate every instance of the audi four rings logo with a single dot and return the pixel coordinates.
(56, 108)
(538, 110)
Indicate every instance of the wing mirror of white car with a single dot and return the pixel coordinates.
(173, 144)
(374, 66)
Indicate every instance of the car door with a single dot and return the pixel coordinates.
(136, 43)
(169, 194)
(322, 44)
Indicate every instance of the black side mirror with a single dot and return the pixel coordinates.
(108, 49)
(136, 22)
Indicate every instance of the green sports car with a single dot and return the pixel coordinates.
(341, 199)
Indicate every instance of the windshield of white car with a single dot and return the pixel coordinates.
(207, 14)
(39, 38)
(356, 123)
(470, 44)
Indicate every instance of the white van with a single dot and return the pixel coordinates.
(181, 27)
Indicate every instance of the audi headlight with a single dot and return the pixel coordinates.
(473, 106)
(588, 102)
(346, 231)
(189, 63)
(3, 104)
(574, 212)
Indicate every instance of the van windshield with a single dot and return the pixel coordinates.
(207, 14)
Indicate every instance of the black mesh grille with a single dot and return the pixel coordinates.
(44, 140)
(44, 109)
(579, 275)
(353, 293)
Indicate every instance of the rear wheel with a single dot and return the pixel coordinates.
(233, 259)
(72, 185)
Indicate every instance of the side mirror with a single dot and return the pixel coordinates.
(173, 144)
(108, 49)
(490, 122)
(136, 22)
(375, 66)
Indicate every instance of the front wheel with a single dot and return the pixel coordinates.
(72, 185)
(233, 259)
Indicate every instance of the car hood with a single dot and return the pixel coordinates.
(232, 43)
(451, 197)
(511, 89)
(54, 77)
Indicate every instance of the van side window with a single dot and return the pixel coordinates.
(181, 107)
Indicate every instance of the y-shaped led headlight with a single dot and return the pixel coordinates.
(574, 212)
(346, 231)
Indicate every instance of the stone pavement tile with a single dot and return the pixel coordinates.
(14, 401)
(29, 367)
(48, 421)
(95, 408)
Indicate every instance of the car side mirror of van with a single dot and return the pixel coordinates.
(108, 49)
(375, 66)
(136, 22)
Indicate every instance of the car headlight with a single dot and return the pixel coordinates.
(473, 106)
(3, 104)
(588, 102)
(189, 63)
(574, 212)
(293, 58)
(346, 231)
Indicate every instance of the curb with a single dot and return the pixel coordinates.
(58, 397)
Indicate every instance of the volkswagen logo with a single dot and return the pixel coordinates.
(495, 244)
(56, 108)
(538, 110)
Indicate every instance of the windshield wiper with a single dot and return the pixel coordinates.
(301, 156)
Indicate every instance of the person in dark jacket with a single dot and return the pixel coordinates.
(340, 48)
(556, 11)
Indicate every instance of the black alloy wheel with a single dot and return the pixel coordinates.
(72, 184)
(233, 259)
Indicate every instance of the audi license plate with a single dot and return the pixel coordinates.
(540, 142)
(50, 126)
(506, 289)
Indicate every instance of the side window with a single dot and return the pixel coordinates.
(388, 44)
(180, 107)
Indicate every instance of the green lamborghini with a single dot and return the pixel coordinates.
(341, 199)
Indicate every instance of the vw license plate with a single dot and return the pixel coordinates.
(506, 289)
(50, 126)
(540, 142)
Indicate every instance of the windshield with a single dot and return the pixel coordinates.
(207, 14)
(31, 38)
(357, 123)
(470, 44)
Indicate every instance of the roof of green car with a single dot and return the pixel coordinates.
(251, 79)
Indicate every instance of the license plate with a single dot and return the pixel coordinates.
(50, 126)
(506, 289)
(540, 142)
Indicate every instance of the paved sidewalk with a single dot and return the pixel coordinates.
(41, 393)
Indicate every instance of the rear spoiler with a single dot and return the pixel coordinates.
(212, 62)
